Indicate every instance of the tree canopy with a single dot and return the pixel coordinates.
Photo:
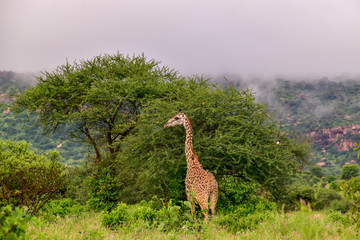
(233, 136)
(97, 101)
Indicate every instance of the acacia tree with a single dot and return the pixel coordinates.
(97, 101)
(234, 137)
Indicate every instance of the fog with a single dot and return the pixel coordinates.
(246, 38)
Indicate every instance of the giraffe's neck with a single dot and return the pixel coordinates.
(191, 158)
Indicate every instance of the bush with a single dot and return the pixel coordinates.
(165, 218)
(116, 217)
(337, 216)
(104, 194)
(234, 223)
(248, 215)
(26, 178)
(13, 223)
(349, 171)
(339, 205)
(325, 197)
(78, 178)
(61, 208)
(351, 191)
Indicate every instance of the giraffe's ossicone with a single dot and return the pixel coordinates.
(200, 184)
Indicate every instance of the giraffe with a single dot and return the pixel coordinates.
(200, 184)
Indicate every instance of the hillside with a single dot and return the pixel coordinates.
(326, 111)
(14, 127)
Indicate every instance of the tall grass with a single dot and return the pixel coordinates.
(294, 225)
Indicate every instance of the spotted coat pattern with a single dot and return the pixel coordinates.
(200, 184)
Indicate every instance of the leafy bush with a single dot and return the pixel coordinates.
(104, 194)
(325, 197)
(13, 223)
(351, 191)
(248, 215)
(26, 178)
(79, 179)
(61, 208)
(116, 217)
(236, 193)
(234, 223)
(167, 217)
(349, 171)
(339, 205)
(296, 192)
(337, 216)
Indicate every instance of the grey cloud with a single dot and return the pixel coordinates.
(248, 37)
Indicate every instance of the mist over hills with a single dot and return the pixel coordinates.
(325, 110)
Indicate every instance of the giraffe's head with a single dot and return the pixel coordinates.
(177, 119)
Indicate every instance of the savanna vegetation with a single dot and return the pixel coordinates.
(131, 182)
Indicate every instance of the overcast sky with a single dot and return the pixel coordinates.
(244, 37)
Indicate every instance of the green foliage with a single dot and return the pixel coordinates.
(295, 192)
(316, 171)
(338, 216)
(325, 197)
(357, 148)
(61, 207)
(26, 178)
(104, 194)
(13, 223)
(78, 186)
(233, 135)
(349, 171)
(236, 194)
(351, 191)
(340, 206)
(99, 99)
(168, 217)
(247, 216)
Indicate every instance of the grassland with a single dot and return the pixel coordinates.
(294, 225)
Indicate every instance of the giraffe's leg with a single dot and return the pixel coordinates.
(192, 203)
(212, 201)
(203, 202)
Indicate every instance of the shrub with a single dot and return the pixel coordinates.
(104, 194)
(26, 178)
(349, 171)
(234, 223)
(351, 191)
(167, 217)
(248, 215)
(324, 198)
(339, 205)
(61, 208)
(13, 223)
(116, 217)
(337, 216)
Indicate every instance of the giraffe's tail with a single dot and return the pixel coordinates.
(210, 212)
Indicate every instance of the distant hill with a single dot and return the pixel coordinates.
(326, 111)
